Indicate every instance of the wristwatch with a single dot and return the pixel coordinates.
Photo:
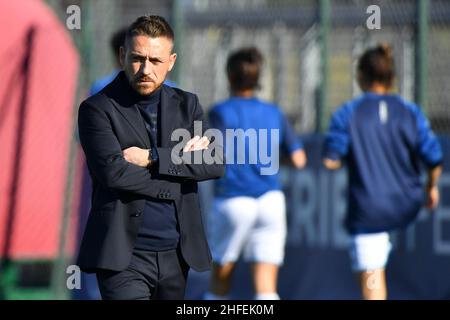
(152, 156)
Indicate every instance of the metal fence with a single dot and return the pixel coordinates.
(310, 48)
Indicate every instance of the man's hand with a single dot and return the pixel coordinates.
(137, 156)
(432, 197)
(196, 143)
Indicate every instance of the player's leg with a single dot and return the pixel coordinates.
(265, 276)
(229, 228)
(369, 254)
(373, 284)
(220, 283)
(266, 244)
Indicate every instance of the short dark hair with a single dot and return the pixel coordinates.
(150, 25)
(377, 65)
(244, 68)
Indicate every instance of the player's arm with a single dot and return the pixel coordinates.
(336, 140)
(430, 152)
(293, 145)
(431, 187)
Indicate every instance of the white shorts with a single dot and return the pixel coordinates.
(369, 251)
(255, 227)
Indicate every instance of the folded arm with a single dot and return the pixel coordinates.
(106, 161)
(195, 160)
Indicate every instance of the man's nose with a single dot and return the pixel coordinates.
(147, 67)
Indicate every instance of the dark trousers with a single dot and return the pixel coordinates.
(150, 275)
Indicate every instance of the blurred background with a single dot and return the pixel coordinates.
(53, 51)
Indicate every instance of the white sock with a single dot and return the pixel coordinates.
(211, 296)
(267, 296)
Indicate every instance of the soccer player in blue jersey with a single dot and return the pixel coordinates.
(383, 139)
(249, 207)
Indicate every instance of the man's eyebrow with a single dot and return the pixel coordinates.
(136, 54)
(139, 55)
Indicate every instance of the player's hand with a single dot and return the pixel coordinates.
(196, 143)
(432, 197)
(298, 158)
(331, 164)
(137, 156)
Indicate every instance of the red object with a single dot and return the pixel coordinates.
(38, 72)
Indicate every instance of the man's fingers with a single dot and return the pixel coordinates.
(200, 144)
(203, 143)
(190, 144)
(126, 154)
(196, 143)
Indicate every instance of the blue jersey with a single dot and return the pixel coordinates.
(263, 119)
(383, 138)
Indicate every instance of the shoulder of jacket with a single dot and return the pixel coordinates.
(99, 100)
(184, 96)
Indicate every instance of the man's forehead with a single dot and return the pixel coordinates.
(144, 41)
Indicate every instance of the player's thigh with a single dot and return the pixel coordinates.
(229, 227)
(369, 251)
(267, 240)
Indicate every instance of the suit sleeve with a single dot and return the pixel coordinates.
(196, 165)
(105, 160)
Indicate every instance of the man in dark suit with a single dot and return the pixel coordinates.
(145, 227)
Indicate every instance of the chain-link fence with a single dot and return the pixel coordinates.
(310, 48)
(438, 49)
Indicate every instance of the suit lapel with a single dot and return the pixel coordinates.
(132, 115)
(119, 93)
(170, 104)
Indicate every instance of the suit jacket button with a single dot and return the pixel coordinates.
(138, 213)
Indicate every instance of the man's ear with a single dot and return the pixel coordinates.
(172, 59)
(122, 56)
